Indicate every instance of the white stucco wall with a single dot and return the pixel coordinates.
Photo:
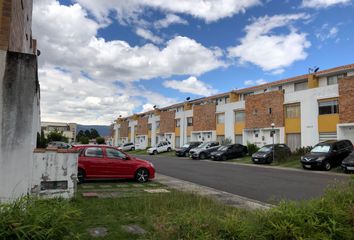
(49, 166)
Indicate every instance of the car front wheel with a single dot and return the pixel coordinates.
(132, 149)
(154, 152)
(327, 166)
(142, 175)
(169, 149)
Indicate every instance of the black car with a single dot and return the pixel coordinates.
(327, 154)
(184, 150)
(229, 151)
(265, 154)
(348, 163)
(203, 150)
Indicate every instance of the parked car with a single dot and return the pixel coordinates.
(348, 163)
(105, 162)
(265, 154)
(127, 147)
(204, 150)
(58, 144)
(184, 150)
(327, 154)
(164, 146)
(229, 151)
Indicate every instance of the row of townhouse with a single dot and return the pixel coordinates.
(303, 110)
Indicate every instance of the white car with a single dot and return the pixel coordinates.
(127, 147)
(164, 146)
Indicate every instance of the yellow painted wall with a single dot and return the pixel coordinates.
(238, 127)
(312, 81)
(177, 132)
(220, 129)
(149, 133)
(189, 130)
(234, 97)
(292, 125)
(328, 122)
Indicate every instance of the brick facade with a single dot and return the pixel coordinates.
(204, 118)
(258, 110)
(142, 126)
(15, 28)
(346, 100)
(124, 129)
(167, 121)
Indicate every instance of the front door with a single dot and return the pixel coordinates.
(94, 162)
(118, 165)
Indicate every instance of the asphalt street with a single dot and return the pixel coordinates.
(267, 185)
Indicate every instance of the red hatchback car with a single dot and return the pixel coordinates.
(105, 162)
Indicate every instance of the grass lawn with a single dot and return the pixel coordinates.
(291, 162)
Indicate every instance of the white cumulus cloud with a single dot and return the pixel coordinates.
(191, 85)
(208, 10)
(254, 82)
(269, 50)
(323, 3)
(148, 35)
(168, 20)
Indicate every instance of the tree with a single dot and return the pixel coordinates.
(87, 134)
(56, 136)
(79, 135)
(84, 140)
(94, 133)
(100, 140)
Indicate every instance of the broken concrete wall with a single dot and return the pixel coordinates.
(19, 121)
(54, 173)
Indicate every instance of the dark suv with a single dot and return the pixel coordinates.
(348, 163)
(229, 151)
(265, 154)
(184, 150)
(327, 154)
(203, 150)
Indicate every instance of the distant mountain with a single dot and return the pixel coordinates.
(102, 130)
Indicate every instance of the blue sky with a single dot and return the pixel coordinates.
(144, 53)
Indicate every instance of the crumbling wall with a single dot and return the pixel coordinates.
(19, 121)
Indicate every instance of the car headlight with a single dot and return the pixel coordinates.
(319, 159)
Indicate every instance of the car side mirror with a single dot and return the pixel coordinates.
(126, 157)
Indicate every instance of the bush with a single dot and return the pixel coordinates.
(302, 150)
(56, 136)
(31, 218)
(226, 141)
(252, 148)
(100, 140)
(84, 140)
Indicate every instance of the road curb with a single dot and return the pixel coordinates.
(224, 197)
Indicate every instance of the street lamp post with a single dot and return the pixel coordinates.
(273, 139)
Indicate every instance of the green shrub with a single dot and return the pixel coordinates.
(302, 150)
(252, 148)
(226, 141)
(31, 218)
(100, 140)
(84, 140)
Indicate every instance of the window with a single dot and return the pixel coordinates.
(94, 152)
(292, 111)
(157, 124)
(334, 79)
(254, 111)
(190, 121)
(220, 118)
(280, 88)
(178, 123)
(328, 107)
(239, 116)
(149, 126)
(113, 153)
(300, 86)
(270, 110)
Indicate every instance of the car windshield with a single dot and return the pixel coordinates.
(203, 145)
(223, 148)
(352, 154)
(265, 149)
(186, 145)
(321, 149)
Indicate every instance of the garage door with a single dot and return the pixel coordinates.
(328, 136)
(293, 140)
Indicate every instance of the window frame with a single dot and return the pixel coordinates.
(112, 157)
(334, 108)
(85, 153)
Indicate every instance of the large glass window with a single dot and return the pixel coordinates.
(328, 107)
(190, 121)
(239, 116)
(220, 118)
(292, 111)
(334, 79)
(300, 86)
(157, 124)
(94, 152)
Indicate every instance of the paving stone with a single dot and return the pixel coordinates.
(88, 186)
(157, 190)
(90, 194)
(134, 229)
(105, 186)
(109, 195)
(153, 185)
(97, 232)
(122, 185)
(138, 185)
